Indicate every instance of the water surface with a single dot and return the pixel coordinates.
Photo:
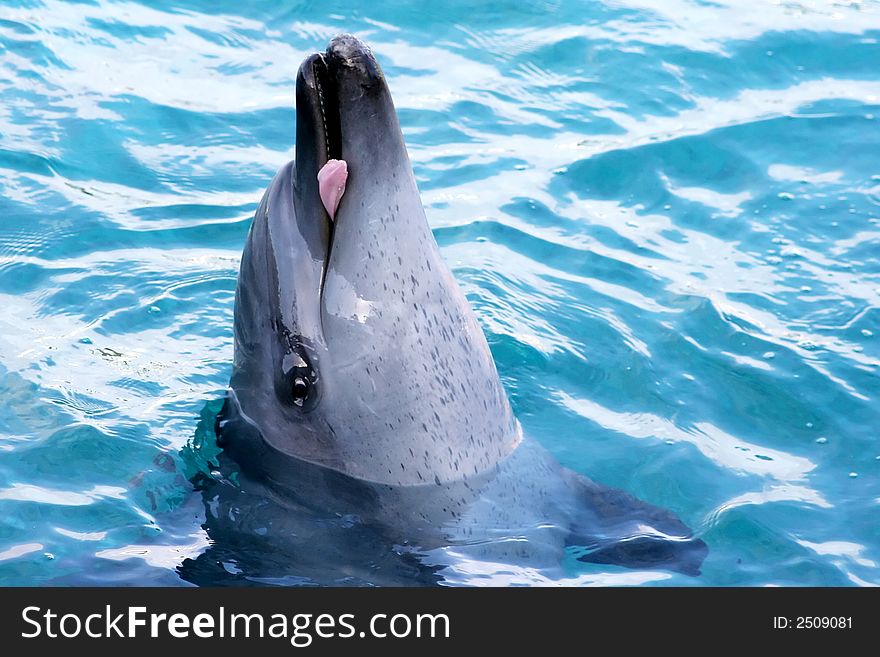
(665, 214)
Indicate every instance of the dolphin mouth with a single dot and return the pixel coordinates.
(318, 140)
(328, 107)
(318, 127)
(337, 85)
(341, 96)
(332, 87)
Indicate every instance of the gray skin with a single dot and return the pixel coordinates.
(363, 387)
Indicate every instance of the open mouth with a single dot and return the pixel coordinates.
(318, 145)
(328, 109)
(343, 83)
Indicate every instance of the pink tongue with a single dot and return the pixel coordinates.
(331, 184)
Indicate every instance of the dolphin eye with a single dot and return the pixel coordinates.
(297, 382)
(300, 390)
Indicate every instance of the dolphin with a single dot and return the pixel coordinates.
(364, 396)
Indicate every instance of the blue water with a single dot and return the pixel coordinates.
(666, 216)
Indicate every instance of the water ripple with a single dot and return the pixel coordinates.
(664, 213)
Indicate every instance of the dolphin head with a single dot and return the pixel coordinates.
(354, 347)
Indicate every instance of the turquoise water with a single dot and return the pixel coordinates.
(665, 214)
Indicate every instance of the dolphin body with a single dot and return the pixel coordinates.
(364, 413)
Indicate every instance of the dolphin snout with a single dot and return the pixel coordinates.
(346, 51)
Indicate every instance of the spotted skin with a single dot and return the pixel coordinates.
(363, 385)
